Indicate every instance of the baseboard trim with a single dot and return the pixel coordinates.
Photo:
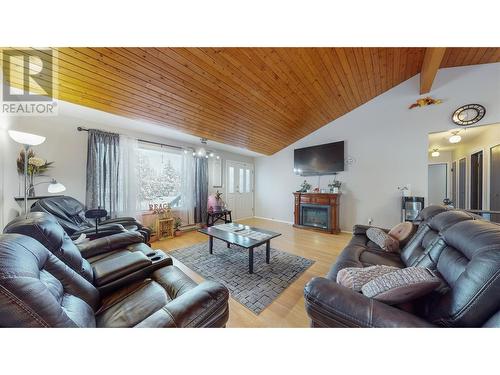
(279, 221)
(291, 223)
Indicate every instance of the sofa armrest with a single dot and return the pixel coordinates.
(103, 231)
(329, 304)
(109, 243)
(205, 305)
(361, 229)
(119, 220)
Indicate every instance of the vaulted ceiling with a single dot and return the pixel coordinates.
(261, 99)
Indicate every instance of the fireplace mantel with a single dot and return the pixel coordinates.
(320, 199)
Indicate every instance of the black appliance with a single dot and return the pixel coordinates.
(411, 207)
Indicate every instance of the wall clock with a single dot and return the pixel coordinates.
(468, 114)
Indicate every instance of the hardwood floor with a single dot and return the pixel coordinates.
(288, 309)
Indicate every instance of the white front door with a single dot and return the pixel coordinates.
(239, 182)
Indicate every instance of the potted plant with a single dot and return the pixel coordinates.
(305, 187)
(335, 186)
(177, 226)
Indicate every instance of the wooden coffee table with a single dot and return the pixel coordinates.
(243, 236)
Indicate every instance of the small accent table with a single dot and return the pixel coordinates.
(242, 240)
(214, 216)
(165, 228)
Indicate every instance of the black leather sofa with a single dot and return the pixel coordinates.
(46, 282)
(71, 215)
(462, 250)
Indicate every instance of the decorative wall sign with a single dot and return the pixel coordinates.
(468, 114)
(424, 102)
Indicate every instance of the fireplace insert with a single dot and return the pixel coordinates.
(315, 215)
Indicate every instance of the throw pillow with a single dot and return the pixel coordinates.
(402, 285)
(383, 239)
(403, 232)
(354, 277)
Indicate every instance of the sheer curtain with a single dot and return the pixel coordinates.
(186, 211)
(102, 171)
(128, 202)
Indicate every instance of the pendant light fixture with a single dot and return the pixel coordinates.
(435, 153)
(455, 138)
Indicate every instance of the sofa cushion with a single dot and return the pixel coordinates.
(354, 278)
(402, 285)
(428, 232)
(384, 240)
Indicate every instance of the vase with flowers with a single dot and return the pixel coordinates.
(335, 186)
(36, 167)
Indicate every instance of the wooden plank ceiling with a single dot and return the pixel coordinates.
(261, 99)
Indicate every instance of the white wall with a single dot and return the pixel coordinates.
(68, 149)
(389, 145)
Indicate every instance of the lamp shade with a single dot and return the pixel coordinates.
(26, 138)
(56, 187)
(455, 138)
(435, 153)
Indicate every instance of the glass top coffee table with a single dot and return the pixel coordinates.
(241, 235)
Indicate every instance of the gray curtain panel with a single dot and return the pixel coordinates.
(201, 189)
(103, 159)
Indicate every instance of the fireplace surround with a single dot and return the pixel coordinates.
(317, 211)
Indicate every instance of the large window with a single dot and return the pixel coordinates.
(159, 172)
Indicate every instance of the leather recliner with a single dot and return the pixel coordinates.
(107, 262)
(71, 215)
(463, 251)
(39, 290)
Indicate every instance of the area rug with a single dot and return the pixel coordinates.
(230, 267)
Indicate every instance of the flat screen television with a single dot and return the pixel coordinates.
(319, 160)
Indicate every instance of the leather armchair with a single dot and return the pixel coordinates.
(38, 290)
(71, 215)
(108, 262)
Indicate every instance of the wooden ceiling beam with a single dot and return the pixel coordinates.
(432, 60)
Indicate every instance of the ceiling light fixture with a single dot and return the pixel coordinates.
(455, 138)
(435, 153)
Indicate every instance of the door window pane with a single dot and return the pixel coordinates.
(242, 184)
(247, 187)
(231, 180)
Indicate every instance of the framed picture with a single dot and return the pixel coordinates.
(217, 173)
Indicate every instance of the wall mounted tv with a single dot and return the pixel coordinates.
(319, 160)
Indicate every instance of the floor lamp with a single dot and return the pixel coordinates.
(27, 140)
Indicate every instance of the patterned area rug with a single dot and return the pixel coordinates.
(230, 267)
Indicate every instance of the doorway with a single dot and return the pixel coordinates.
(438, 183)
(461, 183)
(454, 183)
(495, 181)
(239, 182)
(476, 181)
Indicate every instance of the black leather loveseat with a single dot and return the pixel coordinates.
(462, 250)
(46, 281)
